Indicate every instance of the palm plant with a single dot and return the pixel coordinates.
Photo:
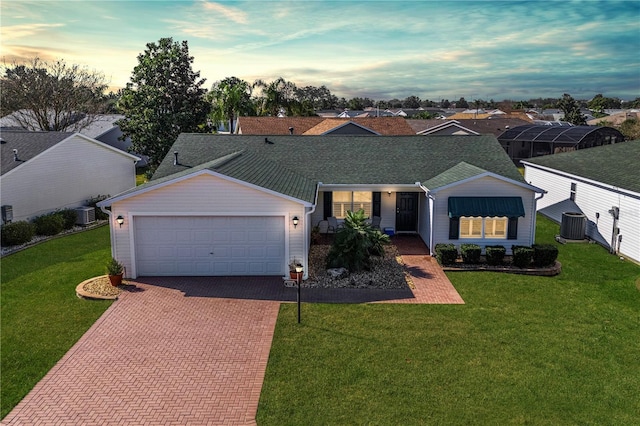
(355, 243)
(230, 98)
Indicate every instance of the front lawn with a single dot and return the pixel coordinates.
(41, 315)
(522, 350)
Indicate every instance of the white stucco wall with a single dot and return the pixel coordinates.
(206, 195)
(65, 176)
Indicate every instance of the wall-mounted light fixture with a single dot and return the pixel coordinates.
(120, 220)
(389, 193)
(295, 221)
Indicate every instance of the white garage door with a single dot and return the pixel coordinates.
(209, 246)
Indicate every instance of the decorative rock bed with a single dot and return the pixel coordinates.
(97, 288)
(387, 272)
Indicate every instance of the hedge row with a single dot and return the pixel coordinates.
(49, 224)
(523, 256)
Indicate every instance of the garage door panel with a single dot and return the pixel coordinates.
(209, 245)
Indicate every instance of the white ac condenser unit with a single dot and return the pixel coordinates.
(86, 215)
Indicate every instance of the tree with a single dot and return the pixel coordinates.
(462, 103)
(51, 96)
(318, 97)
(571, 109)
(630, 128)
(163, 99)
(278, 97)
(230, 98)
(411, 102)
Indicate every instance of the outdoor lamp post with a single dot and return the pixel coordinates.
(298, 278)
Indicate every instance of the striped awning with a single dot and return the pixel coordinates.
(486, 206)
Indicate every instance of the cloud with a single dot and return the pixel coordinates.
(236, 15)
(15, 32)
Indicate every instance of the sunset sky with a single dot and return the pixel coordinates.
(377, 49)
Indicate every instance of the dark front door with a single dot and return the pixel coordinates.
(406, 211)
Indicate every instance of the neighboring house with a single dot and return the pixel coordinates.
(533, 140)
(616, 118)
(602, 183)
(390, 126)
(47, 171)
(492, 126)
(246, 205)
(102, 127)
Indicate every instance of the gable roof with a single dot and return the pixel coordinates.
(447, 124)
(281, 125)
(615, 164)
(28, 144)
(349, 159)
(328, 126)
(32, 144)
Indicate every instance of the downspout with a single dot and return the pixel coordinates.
(307, 233)
(111, 233)
(431, 197)
(535, 218)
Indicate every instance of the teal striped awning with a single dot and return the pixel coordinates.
(486, 206)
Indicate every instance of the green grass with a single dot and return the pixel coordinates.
(522, 350)
(41, 315)
(141, 175)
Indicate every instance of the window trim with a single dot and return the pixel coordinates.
(468, 221)
(350, 205)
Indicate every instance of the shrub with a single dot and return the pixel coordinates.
(49, 224)
(495, 254)
(91, 202)
(544, 254)
(17, 233)
(470, 253)
(69, 218)
(446, 254)
(522, 256)
(355, 243)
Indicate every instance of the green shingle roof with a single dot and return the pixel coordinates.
(456, 173)
(289, 164)
(615, 164)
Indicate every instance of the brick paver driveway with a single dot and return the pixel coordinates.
(161, 356)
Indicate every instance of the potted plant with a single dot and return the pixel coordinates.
(115, 271)
(293, 274)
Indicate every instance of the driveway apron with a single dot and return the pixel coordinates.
(158, 356)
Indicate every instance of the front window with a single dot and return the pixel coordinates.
(483, 227)
(344, 201)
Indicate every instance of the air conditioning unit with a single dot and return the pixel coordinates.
(86, 215)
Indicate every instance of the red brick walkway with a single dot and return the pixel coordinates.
(432, 286)
(192, 351)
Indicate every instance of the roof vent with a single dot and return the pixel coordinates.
(175, 158)
(290, 130)
(266, 140)
(15, 155)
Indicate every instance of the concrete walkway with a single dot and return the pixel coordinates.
(192, 351)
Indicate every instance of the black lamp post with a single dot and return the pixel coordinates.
(298, 279)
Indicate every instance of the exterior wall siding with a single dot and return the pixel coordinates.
(595, 202)
(66, 176)
(489, 187)
(206, 195)
(387, 210)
